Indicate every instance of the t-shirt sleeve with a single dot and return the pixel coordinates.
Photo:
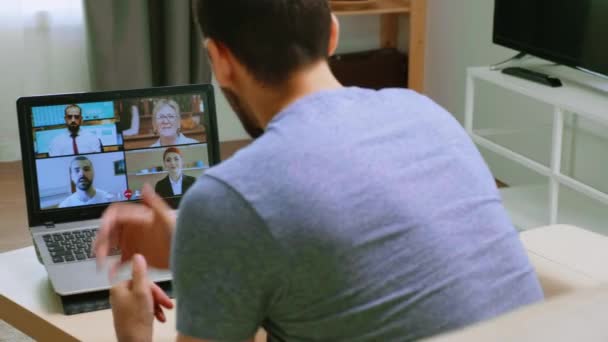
(227, 267)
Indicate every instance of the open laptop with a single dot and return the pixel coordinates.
(82, 152)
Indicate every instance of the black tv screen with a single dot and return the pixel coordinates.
(569, 32)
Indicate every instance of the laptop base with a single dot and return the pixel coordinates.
(98, 300)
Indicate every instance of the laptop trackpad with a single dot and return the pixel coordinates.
(82, 277)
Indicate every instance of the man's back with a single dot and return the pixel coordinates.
(358, 215)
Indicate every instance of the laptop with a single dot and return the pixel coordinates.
(82, 152)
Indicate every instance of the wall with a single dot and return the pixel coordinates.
(459, 36)
(44, 52)
(11, 85)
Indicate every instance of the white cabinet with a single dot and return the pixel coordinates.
(550, 145)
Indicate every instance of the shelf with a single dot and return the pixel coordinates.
(389, 11)
(377, 7)
(572, 97)
(529, 208)
(200, 130)
(165, 172)
(182, 114)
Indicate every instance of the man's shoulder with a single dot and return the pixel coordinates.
(103, 195)
(87, 135)
(68, 201)
(250, 161)
(212, 195)
(185, 140)
(102, 192)
(64, 135)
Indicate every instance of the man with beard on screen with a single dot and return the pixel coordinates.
(354, 215)
(82, 174)
(74, 140)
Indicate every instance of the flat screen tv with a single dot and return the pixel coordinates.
(568, 32)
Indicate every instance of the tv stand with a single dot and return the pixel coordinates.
(533, 76)
(547, 144)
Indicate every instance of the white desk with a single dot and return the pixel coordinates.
(28, 303)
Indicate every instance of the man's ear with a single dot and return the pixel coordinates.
(334, 35)
(221, 64)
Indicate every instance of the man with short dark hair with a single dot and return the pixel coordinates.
(355, 215)
(82, 174)
(74, 140)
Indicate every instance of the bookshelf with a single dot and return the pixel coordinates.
(389, 11)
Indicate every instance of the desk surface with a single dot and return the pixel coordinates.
(27, 300)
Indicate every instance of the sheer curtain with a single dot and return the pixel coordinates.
(143, 43)
(45, 51)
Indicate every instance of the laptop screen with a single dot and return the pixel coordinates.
(95, 152)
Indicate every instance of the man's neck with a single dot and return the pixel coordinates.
(85, 196)
(266, 104)
(73, 133)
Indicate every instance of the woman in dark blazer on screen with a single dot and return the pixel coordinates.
(176, 183)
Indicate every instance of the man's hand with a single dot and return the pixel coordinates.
(135, 303)
(145, 228)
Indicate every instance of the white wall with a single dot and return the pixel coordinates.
(44, 52)
(11, 84)
(459, 36)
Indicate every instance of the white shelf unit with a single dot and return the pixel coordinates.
(563, 199)
(165, 172)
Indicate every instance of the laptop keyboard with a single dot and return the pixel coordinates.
(72, 246)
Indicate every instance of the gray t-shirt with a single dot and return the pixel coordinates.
(359, 215)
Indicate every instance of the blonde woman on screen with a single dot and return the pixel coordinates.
(166, 121)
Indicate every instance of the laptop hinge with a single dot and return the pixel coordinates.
(49, 224)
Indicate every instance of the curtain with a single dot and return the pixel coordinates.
(143, 43)
(45, 52)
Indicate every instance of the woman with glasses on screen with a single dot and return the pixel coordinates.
(176, 183)
(166, 121)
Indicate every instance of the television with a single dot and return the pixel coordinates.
(569, 32)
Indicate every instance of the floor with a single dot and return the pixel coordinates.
(13, 215)
(10, 334)
(13, 228)
(13, 219)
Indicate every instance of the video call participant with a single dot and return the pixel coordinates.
(82, 174)
(74, 140)
(166, 120)
(176, 183)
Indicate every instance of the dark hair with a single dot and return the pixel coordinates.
(272, 38)
(72, 106)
